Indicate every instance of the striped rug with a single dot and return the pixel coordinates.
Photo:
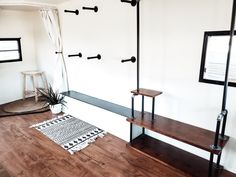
(69, 132)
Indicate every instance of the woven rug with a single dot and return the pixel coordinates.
(21, 107)
(71, 133)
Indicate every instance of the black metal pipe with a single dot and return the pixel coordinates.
(228, 57)
(132, 2)
(218, 161)
(132, 106)
(143, 131)
(72, 11)
(138, 44)
(142, 105)
(131, 133)
(95, 8)
(210, 165)
(153, 107)
(222, 136)
(76, 55)
(95, 57)
(217, 133)
(132, 59)
(225, 113)
(226, 83)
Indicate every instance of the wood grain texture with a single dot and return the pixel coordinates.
(146, 92)
(195, 136)
(3, 172)
(25, 152)
(187, 163)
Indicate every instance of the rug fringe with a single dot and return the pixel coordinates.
(50, 120)
(83, 145)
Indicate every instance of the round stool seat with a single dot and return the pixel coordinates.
(32, 72)
(35, 77)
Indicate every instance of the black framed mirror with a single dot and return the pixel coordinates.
(214, 57)
(10, 50)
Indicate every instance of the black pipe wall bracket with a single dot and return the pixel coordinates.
(95, 8)
(76, 55)
(72, 11)
(95, 57)
(132, 2)
(132, 59)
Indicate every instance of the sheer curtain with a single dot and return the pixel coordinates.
(52, 25)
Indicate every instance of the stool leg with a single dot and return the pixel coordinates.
(35, 88)
(24, 86)
(44, 79)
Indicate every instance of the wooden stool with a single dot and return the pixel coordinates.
(34, 75)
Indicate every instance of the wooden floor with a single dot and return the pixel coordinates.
(24, 152)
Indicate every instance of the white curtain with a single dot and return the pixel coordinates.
(52, 25)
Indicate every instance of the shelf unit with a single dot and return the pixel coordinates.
(187, 163)
(213, 142)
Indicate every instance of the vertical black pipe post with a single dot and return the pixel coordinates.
(218, 161)
(232, 26)
(210, 165)
(143, 130)
(228, 64)
(153, 107)
(217, 133)
(132, 114)
(131, 133)
(225, 112)
(132, 106)
(142, 106)
(138, 44)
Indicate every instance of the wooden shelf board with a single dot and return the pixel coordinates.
(187, 163)
(103, 104)
(195, 136)
(146, 92)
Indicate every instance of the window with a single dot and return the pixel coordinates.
(10, 50)
(214, 57)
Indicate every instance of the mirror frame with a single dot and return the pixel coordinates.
(208, 34)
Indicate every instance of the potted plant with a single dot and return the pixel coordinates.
(53, 98)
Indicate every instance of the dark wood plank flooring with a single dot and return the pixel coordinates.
(24, 152)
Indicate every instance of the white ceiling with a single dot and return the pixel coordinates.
(29, 5)
(34, 1)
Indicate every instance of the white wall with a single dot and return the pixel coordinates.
(16, 24)
(171, 44)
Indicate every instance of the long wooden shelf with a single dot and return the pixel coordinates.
(186, 133)
(103, 104)
(195, 136)
(189, 164)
